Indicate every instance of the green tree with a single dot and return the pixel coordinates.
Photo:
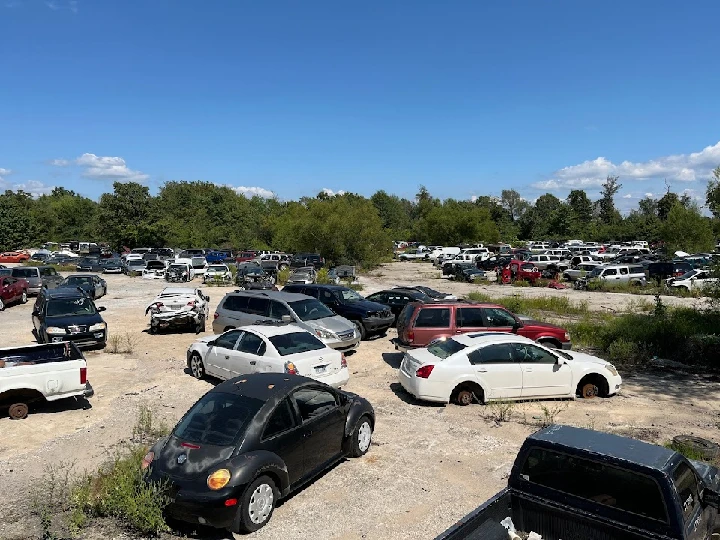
(608, 214)
(16, 227)
(685, 229)
(712, 195)
(128, 217)
(513, 203)
(395, 214)
(580, 207)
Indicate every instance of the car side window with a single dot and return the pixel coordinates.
(382, 298)
(236, 303)
(492, 354)
(314, 402)
(623, 271)
(280, 421)
(531, 354)
(258, 306)
(686, 484)
(228, 339)
(610, 272)
(327, 297)
(433, 318)
(498, 317)
(470, 317)
(278, 310)
(251, 344)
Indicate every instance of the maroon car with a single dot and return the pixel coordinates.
(245, 256)
(419, 324)
(12, 290)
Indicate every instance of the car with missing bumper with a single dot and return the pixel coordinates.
(68, 314)
(178, 308)
(488, 366)
(12, 290)
(217, 273)
(155, 269)
(252, 441)
(284, 348)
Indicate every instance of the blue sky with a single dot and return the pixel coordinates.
(467, 98)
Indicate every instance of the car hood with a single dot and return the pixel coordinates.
(334, 324)
(587, 358)
(83, 286)
(532, 322)
(367, 305)
(64, 321)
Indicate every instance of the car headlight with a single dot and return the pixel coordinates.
(612, 369)
(567, 336)
(97, 327)
(55, 330)
(325, 334)
(219, 479)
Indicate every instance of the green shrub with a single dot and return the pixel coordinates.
(322, 277)
(625, 352)
(283, 276)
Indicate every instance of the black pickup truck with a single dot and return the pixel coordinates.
(576, 484)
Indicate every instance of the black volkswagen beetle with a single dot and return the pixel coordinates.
(252, 440)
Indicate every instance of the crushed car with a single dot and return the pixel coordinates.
(251, 276)
(218, 274)
(305, 275)
(178, 308)
(154, 269)
(179, 272)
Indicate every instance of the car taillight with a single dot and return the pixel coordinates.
(147, 460)
(424, 372)
(343, 360)
(215, 315)
(83, 375)
(159, 304)
(678, 274)
(191, 303)
(290, 368)
(411, 335)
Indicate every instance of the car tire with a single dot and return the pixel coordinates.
(464, 397)
(18, 411)
(589, 391)
(2, 305)
(200, 326)
(197, 368)
(256, 505)
(361, 437)
(24, 298)
(705, 448)
(361, 329)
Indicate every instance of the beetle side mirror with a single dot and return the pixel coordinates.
(711, 498)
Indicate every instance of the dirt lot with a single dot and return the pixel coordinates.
(428, 466)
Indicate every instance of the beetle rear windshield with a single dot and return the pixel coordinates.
(218, 419)
(445, 347)
(295, 343)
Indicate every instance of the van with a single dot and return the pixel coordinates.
(242, 308)
(443, 253)
(616, 274)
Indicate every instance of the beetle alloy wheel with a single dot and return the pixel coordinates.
(261, 504)
(364, 436)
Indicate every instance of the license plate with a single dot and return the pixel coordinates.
(320, 369)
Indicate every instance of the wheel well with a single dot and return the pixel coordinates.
(596, 379)
(20, 395)
(473, 387)
(228, 328)
(554, 341)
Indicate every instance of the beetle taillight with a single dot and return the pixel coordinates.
(424, 371)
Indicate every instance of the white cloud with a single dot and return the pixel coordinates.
(4, 172)
(252, 191)
(108, 168)
(679, 168)
(30, 186)
(59, 162)
(628, 196)
(651, 195)
(331, 193)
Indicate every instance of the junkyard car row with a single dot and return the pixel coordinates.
(281, 418)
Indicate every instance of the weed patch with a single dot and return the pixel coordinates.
(121, 343)
(560, 305)
(499, 411)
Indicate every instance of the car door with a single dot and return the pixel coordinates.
(469, 319)
(611, 275)
(217, 360)
(247, 355)
(432, 322)
(542, 374)
(497, 319)
(283, 435)
(323, 423)
(497, 371)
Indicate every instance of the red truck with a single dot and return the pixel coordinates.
(419, 324)
(12, 290)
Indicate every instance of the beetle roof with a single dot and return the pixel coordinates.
(263, 386)
(606, 444)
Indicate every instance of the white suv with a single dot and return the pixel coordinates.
(489, 366)
(261, 349)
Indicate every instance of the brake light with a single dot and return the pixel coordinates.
(290, 369)
(343, 360)
(231, 502)
(411, 335)
(83, 375)
(216, 315)
(424, 371)
(159, 304)
(677, 274)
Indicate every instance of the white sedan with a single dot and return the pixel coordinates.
(217, 273)
(267, 348)
(692, 280)
(493, 366)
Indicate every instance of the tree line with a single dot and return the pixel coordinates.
(346, 228)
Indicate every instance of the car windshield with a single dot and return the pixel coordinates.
(216, 268)
(350, 295)
(62, 307)
(689, 275)
(25, 272)
(89, 261)
(136, 262)
(295, 343)
(311, 310)
(78, 280)
(5, 271)
(111, 262)
(596, 271)
(445, 347)
(218, 419)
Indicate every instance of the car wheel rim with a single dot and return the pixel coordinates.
(2, 304)
(24, 297)
(261, 504)
(465, 398)
(196, 367)
(590, 391)
(364, 436)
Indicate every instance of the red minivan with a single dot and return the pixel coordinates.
(419, 324)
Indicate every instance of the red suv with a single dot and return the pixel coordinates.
(419, 324)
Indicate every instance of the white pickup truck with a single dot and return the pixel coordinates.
(46, 372)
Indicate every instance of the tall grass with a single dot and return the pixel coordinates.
(559, 305)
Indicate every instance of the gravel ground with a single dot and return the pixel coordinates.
(428, 466)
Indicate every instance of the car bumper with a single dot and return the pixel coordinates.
(342, 344)
(614, 385)
(88, 392)
(423, 388)
(204, 510)
(34, 290)
(566, 346)
(112, 271)
(403, 347)
(84, 339)
(378, 324)
(336, 380)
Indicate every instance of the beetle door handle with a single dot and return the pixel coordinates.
(253, 362)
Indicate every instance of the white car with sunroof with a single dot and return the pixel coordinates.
(281, 348)
(491, 366)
